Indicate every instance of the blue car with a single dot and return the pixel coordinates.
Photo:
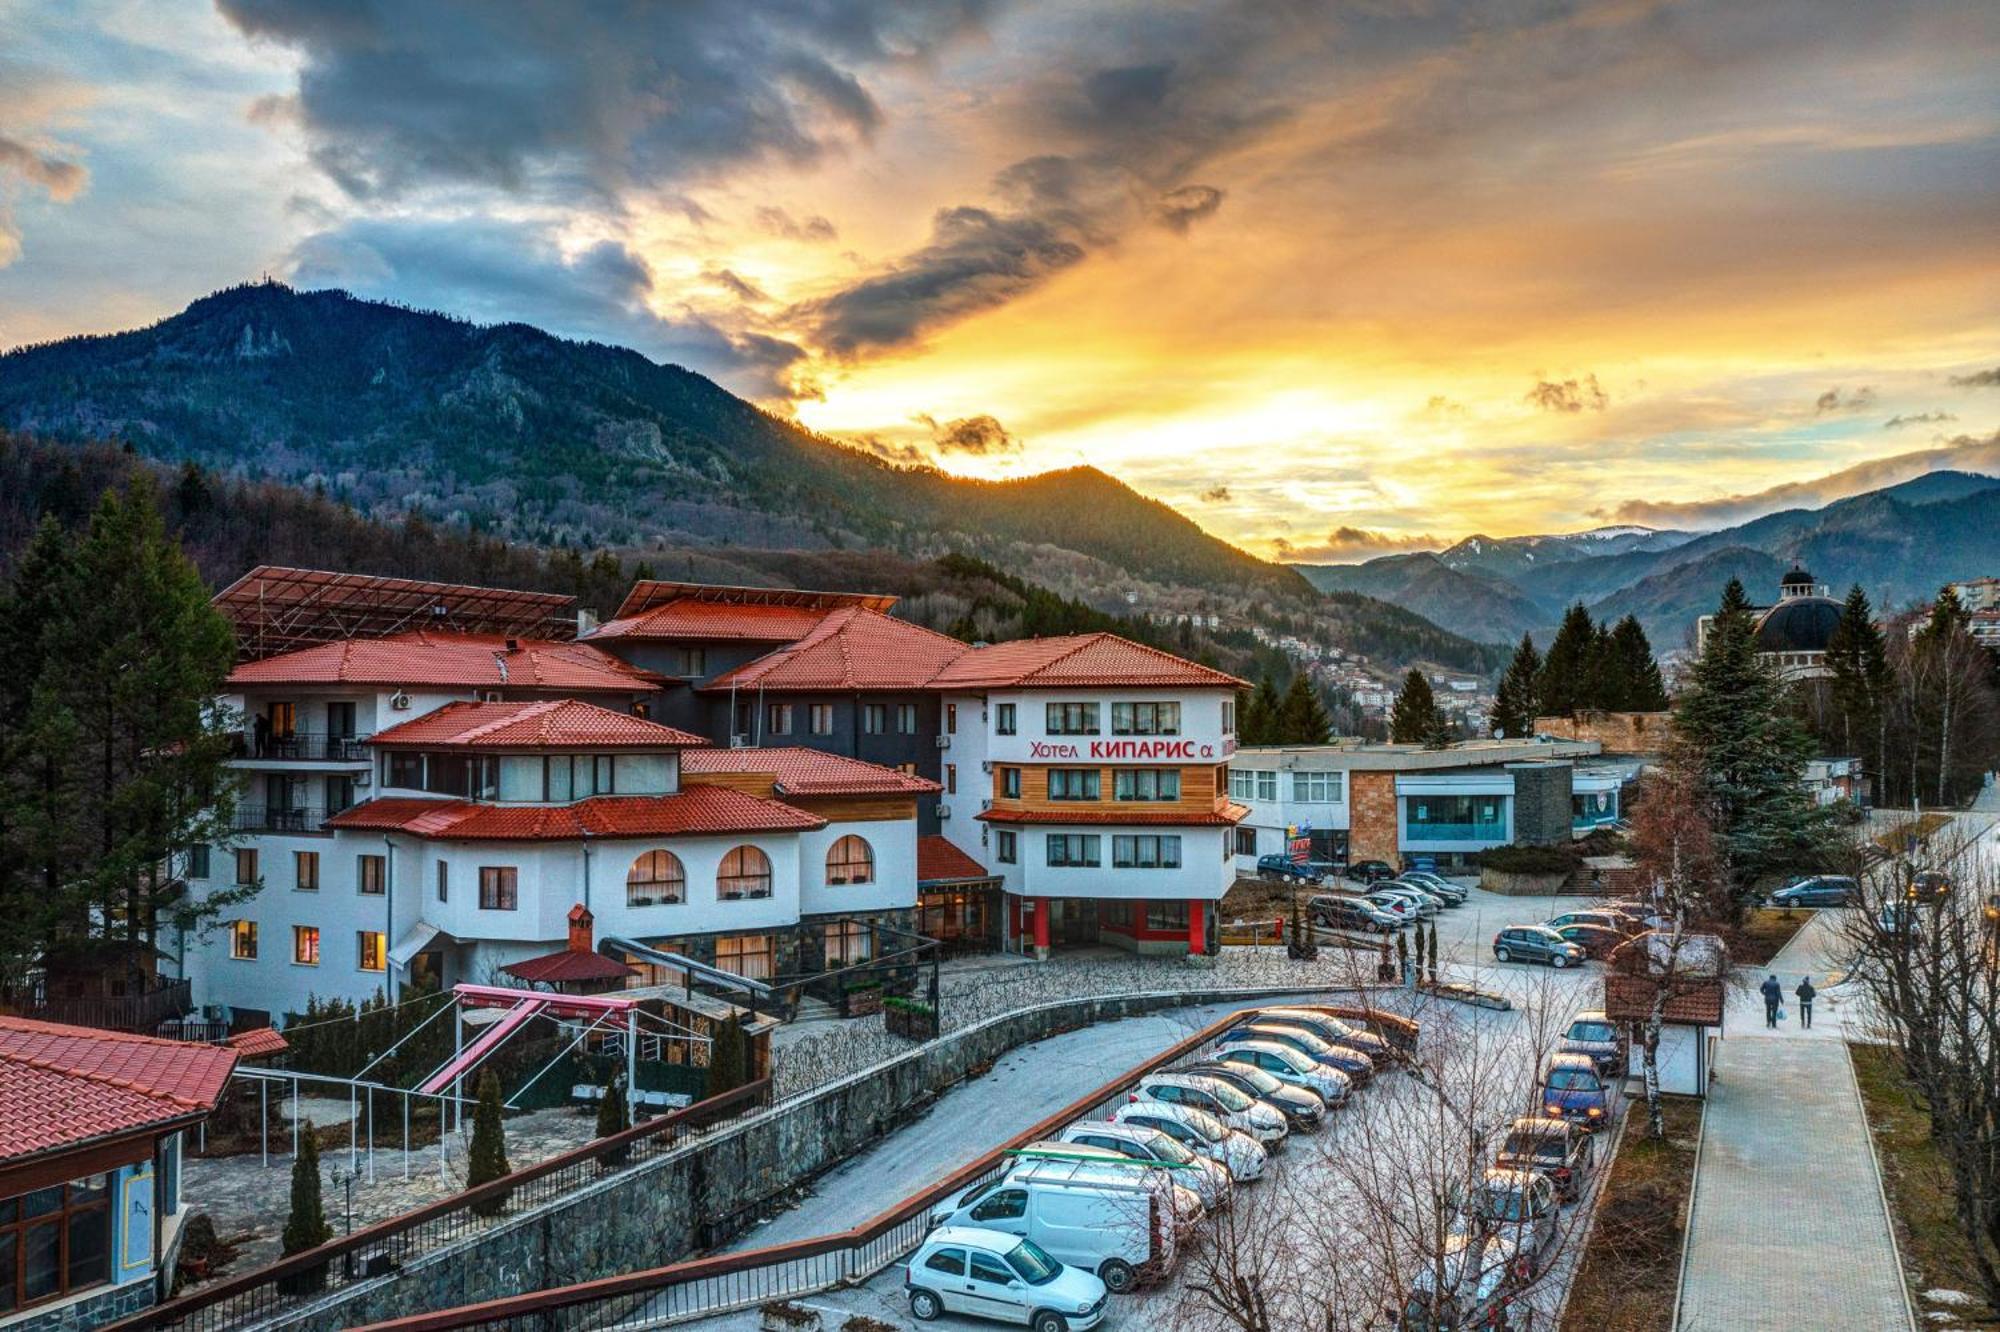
(1284, 867)
(1572, 1089)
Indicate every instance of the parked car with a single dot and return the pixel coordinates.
(1112, 1220)
(1604, 919)
(1239, 1111)
(1304, 1110)
(1454, 894)
(1647, 914)
(1399, 1033)
(996, 1275)
(1478, 1291)
(1287, 1065)
(1928, 886)
(1520, 1211)
(1341, 911)
(1992, 910)
(1900, 918)
(1820, 890)
(1596, 941)
(1404, 910)
(1333, 1028)
(1591, 1033)
(1277, 867)
(1420, 902)
(1535, 943)
(1358, 1067)
(1574, 1090)
(1209, 1179)
(1557, 1150)
(1199, 1131)
(1368, 871)
(1404, 883)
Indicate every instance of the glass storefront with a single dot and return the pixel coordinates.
(1454, 818)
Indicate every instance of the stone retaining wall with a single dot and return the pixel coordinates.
(703, 1194)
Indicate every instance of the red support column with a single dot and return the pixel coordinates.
(1013, 920)
(1197, 930)
(1041, 927)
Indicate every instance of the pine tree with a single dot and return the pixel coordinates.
(306, 1227)
(1257, 723)
(1639, 687)
(1402, 957)
(1442, 732)
(1564, 685)
(489, 1145)
(728, 1057)
(1413, 719)
(1434, 952)
(1859, 689)
(1302, 718)
(1515, 703)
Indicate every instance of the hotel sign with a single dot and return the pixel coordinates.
(1190, 750)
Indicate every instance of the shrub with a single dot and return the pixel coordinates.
(306, 1227)
(1529, 859)
(489, 1145)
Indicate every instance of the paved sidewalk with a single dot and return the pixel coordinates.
(1788, 1230)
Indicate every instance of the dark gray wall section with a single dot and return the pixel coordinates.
(1541, 803)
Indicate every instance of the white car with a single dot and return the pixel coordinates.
(1287, 1065)
(1452, 893)
(991, 1274)
(1232, 1105)
(1149, 1146)
(1421, 902)
(1202, 1132)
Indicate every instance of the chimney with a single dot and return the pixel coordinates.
(513, 645)
(580, 923)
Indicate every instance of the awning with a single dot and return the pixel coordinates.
(412, 943)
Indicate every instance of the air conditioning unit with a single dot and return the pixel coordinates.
(985, 805)
(489, 696)
(944, 742)
(986, 765)
(363, 779)
(399, 701)
(739, 742)
(944, 812)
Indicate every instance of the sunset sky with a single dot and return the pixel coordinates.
(1333, 279)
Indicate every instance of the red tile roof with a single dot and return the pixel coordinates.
(569, 965)
(1077, 661)
(259, 1043)
(853, 648)
(692, 618)
(1164, 818)
(65, 1086)
(693, 811)
(808, 772)
(939, 860)
(449, 660)
(1630, 999)
(563, 723)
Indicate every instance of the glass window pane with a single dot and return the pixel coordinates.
(89, 1247)
(41, 1274)
(42, 1201)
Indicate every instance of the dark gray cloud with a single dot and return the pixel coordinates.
(781, 223)
(736, 285)
(1179, 209)
(1919, 418)
(1978, 379)
(1568, 395)
(1352, 545)
(1216, 494)
(611, 98)
(980, 436)
(496, 272)
(1839, 400)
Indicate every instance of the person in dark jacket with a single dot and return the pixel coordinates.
(1805, 992)
(1774, 994)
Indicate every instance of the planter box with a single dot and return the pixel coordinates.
(910, 1025)
(788, 1318)
(1522, 885)
(861, 1003)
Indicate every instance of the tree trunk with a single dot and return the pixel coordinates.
(1656, 1115)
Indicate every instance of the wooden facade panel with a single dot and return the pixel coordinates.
(750, 783)
(857, 809)
(1203, 790)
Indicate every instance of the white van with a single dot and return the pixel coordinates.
(1112, 1220)
(1202, 1132)
(1232, 1105)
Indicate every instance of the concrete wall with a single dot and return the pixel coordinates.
(709, 1191)
(1618, 732)
(1541, 803)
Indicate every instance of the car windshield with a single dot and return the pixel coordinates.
(1572, 1079)
(1505, 1204)
(1592, 1031)
(976, 1194)
(1228, 1095)
(1035, 1266)
(1539, 1145)
(1296, 1038)
(1167, 1149)
(1255, 1076)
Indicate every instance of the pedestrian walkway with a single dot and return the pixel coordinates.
(1788, 1230)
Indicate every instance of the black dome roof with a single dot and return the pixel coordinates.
(1803, 624)
(1797, 577)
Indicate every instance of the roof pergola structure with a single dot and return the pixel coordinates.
(278, 609)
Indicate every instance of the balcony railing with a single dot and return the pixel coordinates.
(1455, 832)
(265, 818)
(142, 1013)
(307, 746)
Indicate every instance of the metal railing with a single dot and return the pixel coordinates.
(707, 1286)
(140, 1013)
(268, 818)
(260, 1295)
(307, 746)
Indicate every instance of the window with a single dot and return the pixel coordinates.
(989, 1269)
(305, 871)
(1267, 786)
(1146, 851)
(1316, 788)
(745, 872)
(1171, 915)
(1006, 1205)
(906, 718)
(847, 942)
(951, 719)
(243, 940)
(692, 661)
(1073, 783)
(54, 1241)
(499, 887)
(656, 878)
(1073, 850)
(949, 1261)
(747, 955)
(1145, 719)
(371, 875)
(444, 882)
(820, 717)
(1246, 841)
(951, 779)
(1147, 783)
(1242, 784)
(1005, 846)
(405, 770)
(1072, 719)
(339, 794)
(874, 718)
(1229, 716)
(369, 947)
(1003, 719)
(850, 860)
(1115, 913)
(1010, 783)
(340, 720)
(197, 864)
(778, 719)
(305, 945)
(246, 865)
(604, 773)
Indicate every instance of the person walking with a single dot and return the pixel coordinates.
(1805, 992)
(1774, 994)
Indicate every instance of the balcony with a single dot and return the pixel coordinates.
(306, 747)
(162, 1000)
(293, 818)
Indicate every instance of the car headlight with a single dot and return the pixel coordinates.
(1595, 1111)
(1553, 1109)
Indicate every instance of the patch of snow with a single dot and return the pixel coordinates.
(1942, 1295)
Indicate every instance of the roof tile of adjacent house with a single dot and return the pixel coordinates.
(939, 859)
(449, 660)
(690, 618)
(1074, 661)
(63, 1086)
(853, 648)
(563, 723)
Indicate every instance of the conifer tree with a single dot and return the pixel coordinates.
(1859, 689)
(1413, 719)
(612, 1115)
(1302, 718)
(1515, 703)
(489, 1144)
(306, 1226)
(1442, 732)
(1639, 687)
(1564, 684)
(1434, 952)
(1258, 722)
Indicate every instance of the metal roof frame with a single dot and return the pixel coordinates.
(275, 608)
(649, 593)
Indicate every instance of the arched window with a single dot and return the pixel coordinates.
(745, 872)
(655, 879)
(850, 860)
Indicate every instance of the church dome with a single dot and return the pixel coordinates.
(1800, 624)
